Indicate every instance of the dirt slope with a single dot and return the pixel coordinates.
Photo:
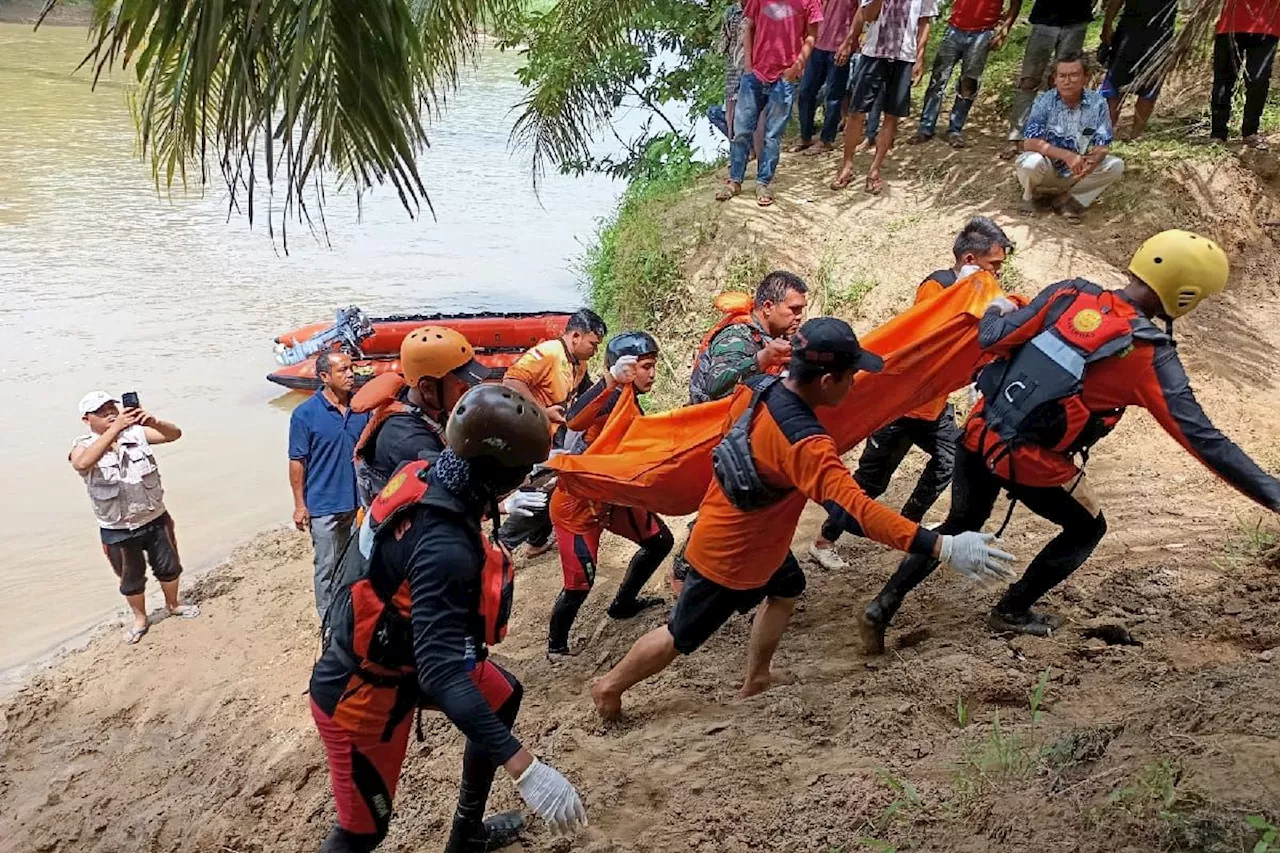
(199, 740)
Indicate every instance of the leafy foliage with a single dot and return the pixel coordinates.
(289, 89)
(586, 58)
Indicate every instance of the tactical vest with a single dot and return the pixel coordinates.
(124, 486)
(1035, 395)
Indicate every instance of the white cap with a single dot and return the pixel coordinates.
(95, 400)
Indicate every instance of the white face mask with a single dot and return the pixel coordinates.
(967, 270)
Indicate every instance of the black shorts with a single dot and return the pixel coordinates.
(153, 542)
(704, 605)
(874, 76)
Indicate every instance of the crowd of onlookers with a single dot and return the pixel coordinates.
(859, 59)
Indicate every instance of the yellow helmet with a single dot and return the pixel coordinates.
(436, 351)
(1182, 268)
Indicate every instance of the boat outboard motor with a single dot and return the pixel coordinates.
(350, 327)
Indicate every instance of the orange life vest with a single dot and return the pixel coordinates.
(736, 307)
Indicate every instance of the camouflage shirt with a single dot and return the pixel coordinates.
(730, 359)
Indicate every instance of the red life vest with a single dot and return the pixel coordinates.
(377, 632)
(1035, 396)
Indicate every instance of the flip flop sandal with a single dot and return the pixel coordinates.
(135, 634)
(874, 186)
(764, 197)
(185, 611)
(840, 183)
(799, 146)
(728, 191)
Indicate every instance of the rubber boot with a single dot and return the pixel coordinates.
(340, 840)
(493, 833)
(874, 621)
(563, 613)
(1032, 622)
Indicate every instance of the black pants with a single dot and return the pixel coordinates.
(884, 452)
(1254, 53)
(519, 529)
(478, 769)
(973, 495)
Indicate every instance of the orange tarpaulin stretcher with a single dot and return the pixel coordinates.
(662, 462)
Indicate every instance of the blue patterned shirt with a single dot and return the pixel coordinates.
(1087, 126)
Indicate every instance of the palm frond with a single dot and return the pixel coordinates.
(580, 55)
(1189, 44)
(285, 90)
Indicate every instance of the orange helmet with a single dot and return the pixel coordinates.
(437, 351)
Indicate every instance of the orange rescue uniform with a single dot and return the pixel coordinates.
(741, 550)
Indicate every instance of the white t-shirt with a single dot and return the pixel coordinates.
(893, 34)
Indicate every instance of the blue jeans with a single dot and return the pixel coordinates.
(970, 51)
(754, 97)
(822, 69)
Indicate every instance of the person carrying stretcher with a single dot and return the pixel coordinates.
(775, 457)
(425, 597)
(631, 360)
(980, 245)
(1062, 371)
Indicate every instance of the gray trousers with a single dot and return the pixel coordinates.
(329, 535)
(1043, 44)
(1037, 176)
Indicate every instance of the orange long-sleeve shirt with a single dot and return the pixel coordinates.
(1150, 375)
(741, 550)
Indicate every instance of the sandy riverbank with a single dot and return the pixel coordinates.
(1150, 722)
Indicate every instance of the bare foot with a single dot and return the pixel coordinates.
(755, 686)
(534, 551)
(819, 148)
(802, 145)
(608, 705)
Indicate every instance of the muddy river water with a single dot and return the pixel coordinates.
(104, 283)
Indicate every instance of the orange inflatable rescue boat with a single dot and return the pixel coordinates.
(374, 343)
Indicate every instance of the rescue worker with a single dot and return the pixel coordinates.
(775, 457)
(1063, 369)
(552, 374)
(631, 361)
(750, 341)
(428, 594)
(438, 366)
(980, 245)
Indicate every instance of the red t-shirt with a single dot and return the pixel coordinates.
(1250, 16)
(780, 27)
(974, 16)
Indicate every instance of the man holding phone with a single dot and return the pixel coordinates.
(123, 481)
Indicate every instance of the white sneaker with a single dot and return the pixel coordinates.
(827, 558)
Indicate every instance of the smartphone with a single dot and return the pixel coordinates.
(129, 400)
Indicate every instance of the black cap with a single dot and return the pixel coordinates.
(472, 373)
(830, 343)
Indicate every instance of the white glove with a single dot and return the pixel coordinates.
(526, 504)
(973, 395)
(624, 369)
(969, 554)
(1003, 304)
(552, 797)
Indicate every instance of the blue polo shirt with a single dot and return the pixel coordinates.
(325, 439)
